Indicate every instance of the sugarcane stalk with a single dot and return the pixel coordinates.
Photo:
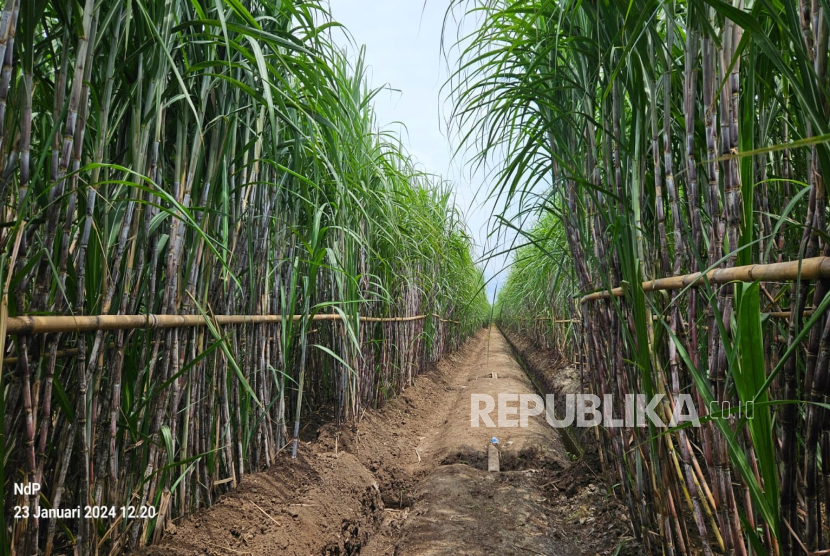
(658, 170)
(8, 61)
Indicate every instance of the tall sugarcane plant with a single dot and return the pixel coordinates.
(536, 300)
(200, 158)
(658, 139)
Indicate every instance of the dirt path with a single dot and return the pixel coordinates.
(411, 478)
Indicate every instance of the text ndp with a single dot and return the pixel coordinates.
(30, 489)
(586, 410)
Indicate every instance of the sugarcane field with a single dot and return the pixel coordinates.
(415, 277)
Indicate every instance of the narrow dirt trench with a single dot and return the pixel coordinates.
(411, 478)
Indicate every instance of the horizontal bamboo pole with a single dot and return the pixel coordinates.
(787, 314)
(547, 319)
(811, 269)
(54, 324)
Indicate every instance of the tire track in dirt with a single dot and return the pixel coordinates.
(410, 478)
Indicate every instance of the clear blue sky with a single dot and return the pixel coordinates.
(403, 52)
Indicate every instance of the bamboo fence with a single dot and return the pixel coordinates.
(26, 325)
(806, 269)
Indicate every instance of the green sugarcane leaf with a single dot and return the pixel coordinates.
(749, 379)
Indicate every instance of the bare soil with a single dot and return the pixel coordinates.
(410, 478)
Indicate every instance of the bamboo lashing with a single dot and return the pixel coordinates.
(810, 269)
(54, 324)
